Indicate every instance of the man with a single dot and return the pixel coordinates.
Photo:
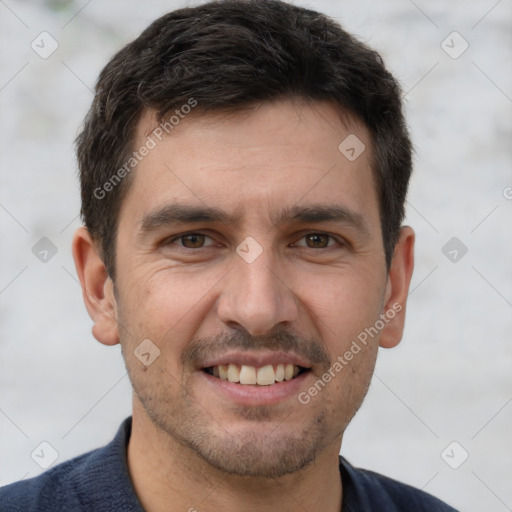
(244, 168)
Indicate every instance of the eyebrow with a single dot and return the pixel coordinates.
(316, 213)
(179, 213)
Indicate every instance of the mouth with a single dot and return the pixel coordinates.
(248, 375)
(254, 378)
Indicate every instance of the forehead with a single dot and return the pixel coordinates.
(256, 162)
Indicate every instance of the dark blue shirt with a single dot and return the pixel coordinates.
(99, 481)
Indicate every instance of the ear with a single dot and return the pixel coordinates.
(97, 287)
(397, 289)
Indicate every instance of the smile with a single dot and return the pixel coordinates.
(253, 375)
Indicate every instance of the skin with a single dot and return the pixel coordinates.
(192, 446)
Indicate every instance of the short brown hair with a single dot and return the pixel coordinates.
(229, 55)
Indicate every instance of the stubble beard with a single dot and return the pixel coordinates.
(263, 446)
(264, 442)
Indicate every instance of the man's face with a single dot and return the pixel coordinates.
(251, 240)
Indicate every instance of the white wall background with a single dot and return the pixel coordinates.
(449, 380)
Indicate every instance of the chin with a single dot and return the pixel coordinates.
(258, 449)
(255, 456)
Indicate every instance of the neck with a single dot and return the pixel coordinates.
(164, 472)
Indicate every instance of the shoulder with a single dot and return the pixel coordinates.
(55, 489)
(97, 481)
(367, 490)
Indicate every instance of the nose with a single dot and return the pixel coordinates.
(256, 296)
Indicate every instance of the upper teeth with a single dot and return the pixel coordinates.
(263, 375)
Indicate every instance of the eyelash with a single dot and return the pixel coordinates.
(198, 233)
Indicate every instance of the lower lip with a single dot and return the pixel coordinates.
(244, 394)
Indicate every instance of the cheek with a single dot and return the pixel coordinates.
(165, 306)
(344, 303)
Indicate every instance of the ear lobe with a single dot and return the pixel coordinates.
(397, 289)
(97, 287)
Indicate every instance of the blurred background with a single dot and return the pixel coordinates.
(438, 414)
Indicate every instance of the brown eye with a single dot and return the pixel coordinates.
(317, 240)
(193, 240)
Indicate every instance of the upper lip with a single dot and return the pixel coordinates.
(258, 359)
